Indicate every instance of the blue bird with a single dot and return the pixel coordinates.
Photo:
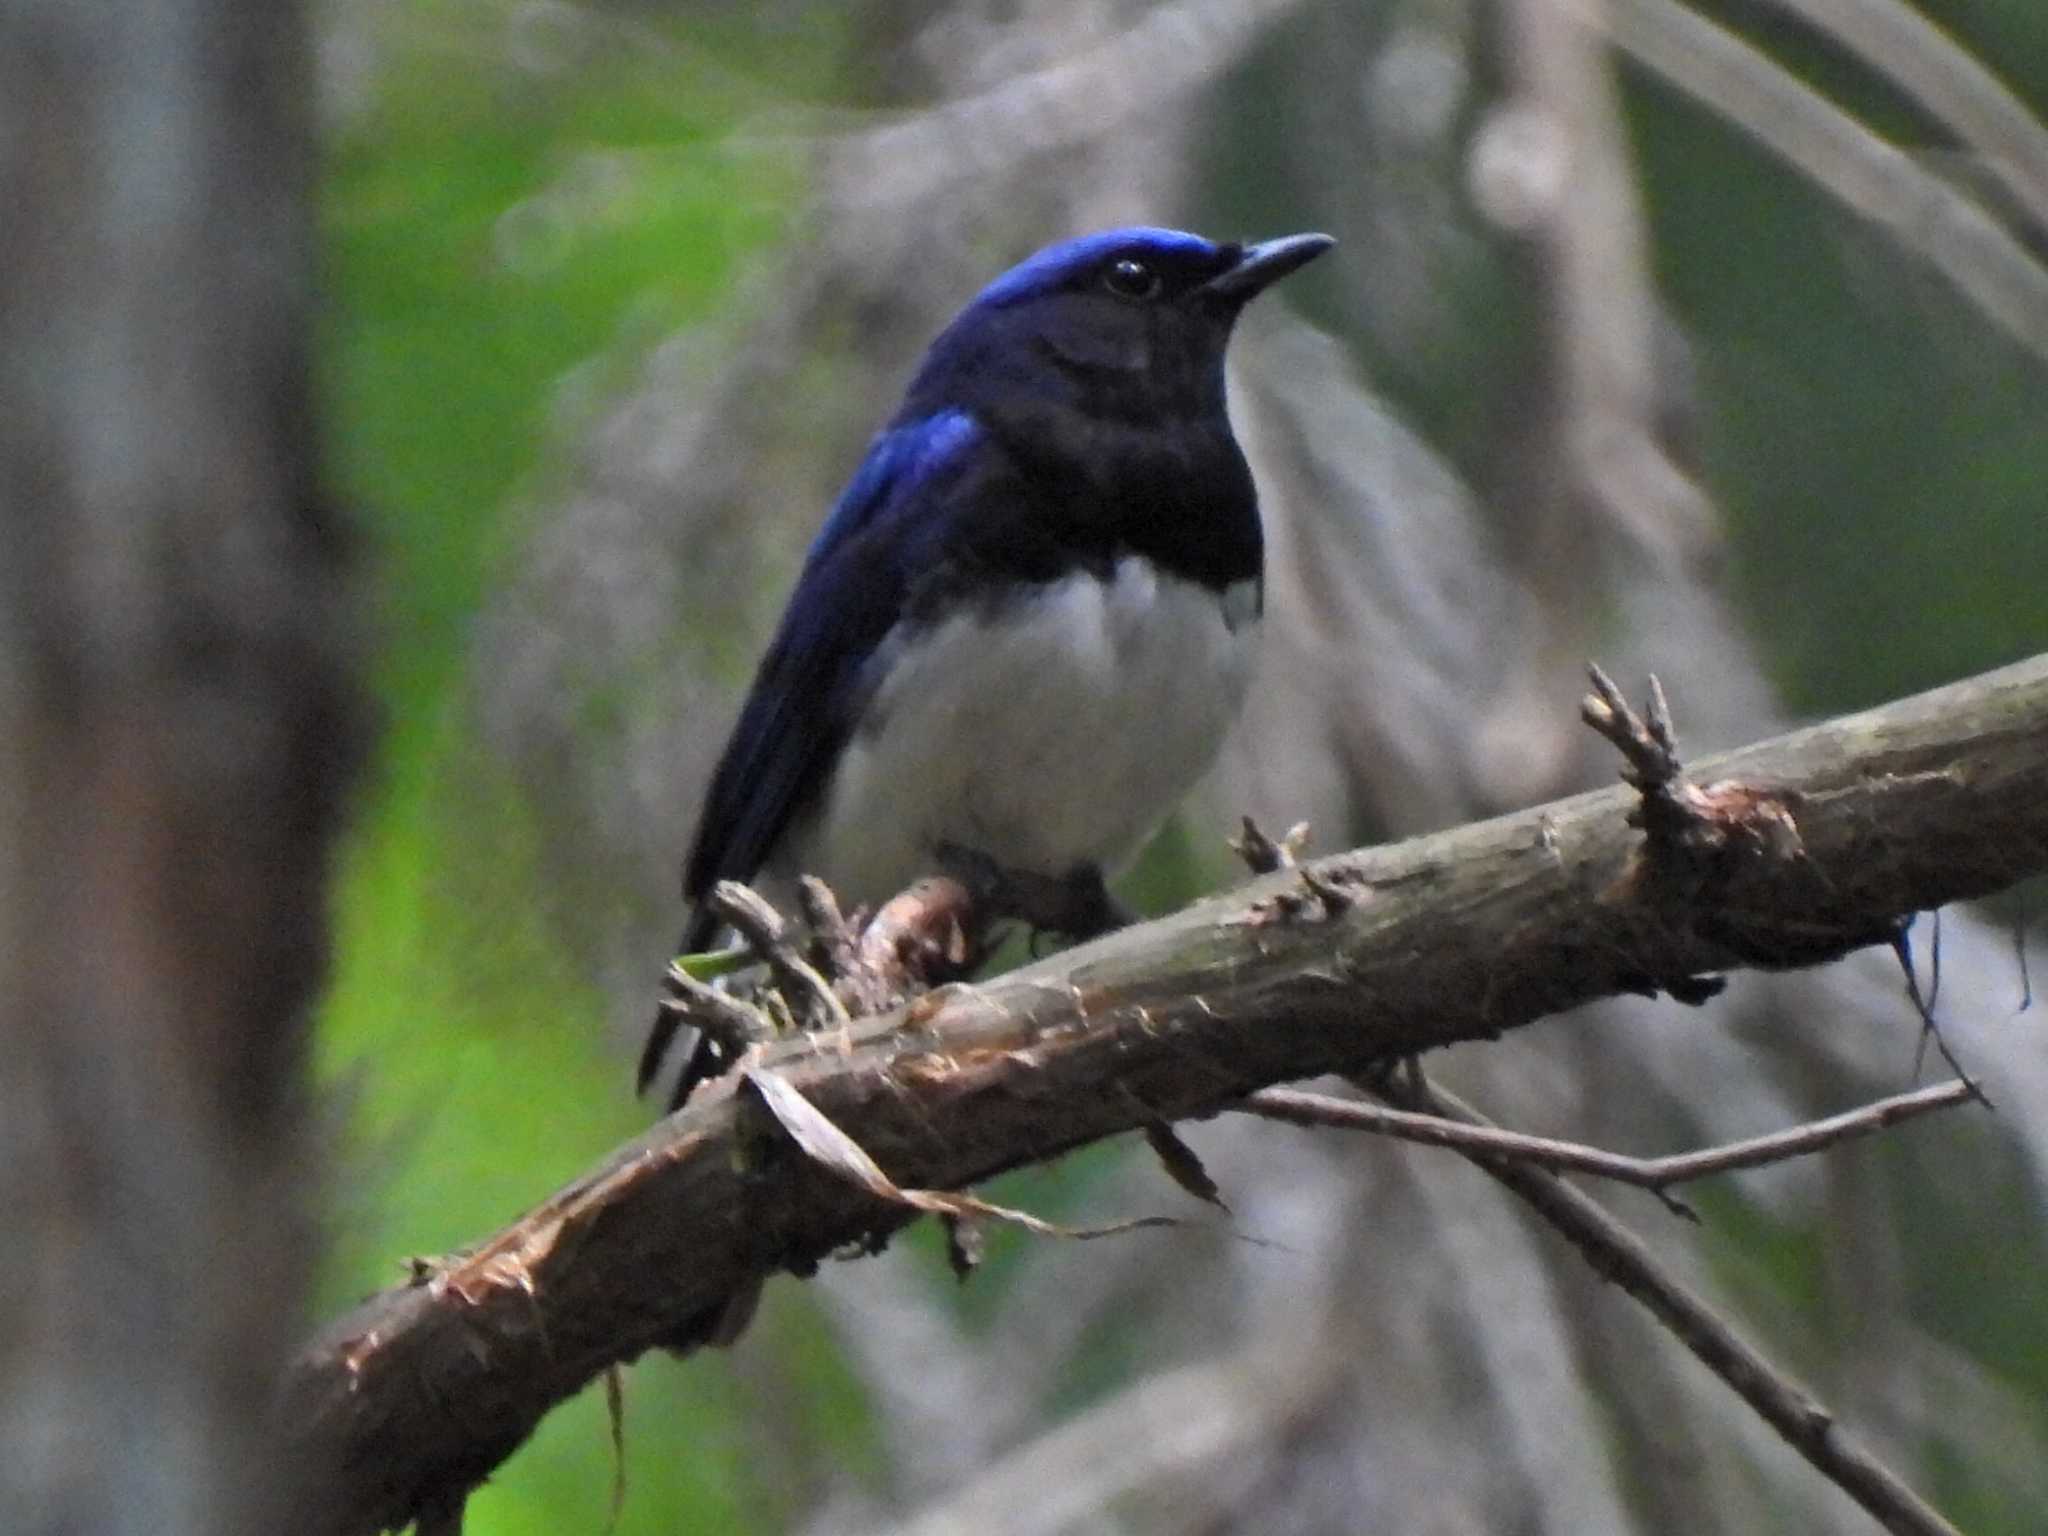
(1026, 626)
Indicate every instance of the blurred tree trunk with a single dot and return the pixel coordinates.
(175, 728)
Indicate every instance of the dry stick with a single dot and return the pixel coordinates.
(736, 1024)
(1261, 854)
(1656, 1174)
(749, 913)
(1618, 1255)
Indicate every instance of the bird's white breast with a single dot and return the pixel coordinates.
(1051, 730)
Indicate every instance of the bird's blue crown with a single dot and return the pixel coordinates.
(1059, 266)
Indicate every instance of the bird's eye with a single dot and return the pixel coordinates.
(1131, 279)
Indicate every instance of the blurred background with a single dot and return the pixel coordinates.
(1708, 339)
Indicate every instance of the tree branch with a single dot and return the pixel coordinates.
(1656, 1174)
(1618, 1255)
(421, 1391)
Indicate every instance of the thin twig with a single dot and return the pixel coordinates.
(1261, 854)
(750, 915)
(1618, 1255)
(1656, 1174)
(2019, 944)
(1934, 965)
(1693, 832)
(732, 1022)
(1650, 745)
(1930, 1027)
(832, 933)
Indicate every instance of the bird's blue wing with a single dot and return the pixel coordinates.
(877, 540)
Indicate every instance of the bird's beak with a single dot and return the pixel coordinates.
(1263, 265)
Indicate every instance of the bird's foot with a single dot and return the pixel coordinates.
(1092, 910)
(1076, 905)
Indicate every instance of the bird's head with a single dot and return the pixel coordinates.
(1130, 323)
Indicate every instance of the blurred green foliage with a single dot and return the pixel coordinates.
(471, 263)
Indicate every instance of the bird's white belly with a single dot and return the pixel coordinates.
(1056, 730)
